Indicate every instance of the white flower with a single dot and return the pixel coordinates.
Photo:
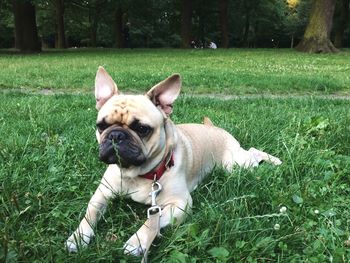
(283, 210)
(277, 227)
(316, 211)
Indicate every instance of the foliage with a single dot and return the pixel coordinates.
(293, 213)
(252, 23)
(6, 25)
(297, 18)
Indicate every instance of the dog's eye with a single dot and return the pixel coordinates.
(101, 126)
(143, 130)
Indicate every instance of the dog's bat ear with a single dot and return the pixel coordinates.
(105, 87)
(165, 93)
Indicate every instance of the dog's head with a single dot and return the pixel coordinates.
(132, 130)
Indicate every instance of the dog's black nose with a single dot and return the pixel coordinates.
(117, 136)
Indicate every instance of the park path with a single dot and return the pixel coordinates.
(273, 96)
(336, 96)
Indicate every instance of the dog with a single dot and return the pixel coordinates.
(137, 139)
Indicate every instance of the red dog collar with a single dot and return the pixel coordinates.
(158, 172)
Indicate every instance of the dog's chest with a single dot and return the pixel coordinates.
(138, 190)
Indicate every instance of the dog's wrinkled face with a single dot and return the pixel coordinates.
(131, 128)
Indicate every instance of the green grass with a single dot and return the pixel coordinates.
(233, 71)
(49, 170)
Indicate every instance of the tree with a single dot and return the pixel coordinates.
(95, 9)
(296, 19)
(60, 40)
(343, 22)
(248, 8)
(6, 25)
(186, 23)
(316, 38)
(26, 33)
(223, 10)
(118, 26)
(94, 16)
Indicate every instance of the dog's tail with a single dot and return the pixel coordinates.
(207, 121)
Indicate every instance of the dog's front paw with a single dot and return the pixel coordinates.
(134, 246)
(71, 246)
(78, 241)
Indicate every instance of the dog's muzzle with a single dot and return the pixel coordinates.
(119, 147)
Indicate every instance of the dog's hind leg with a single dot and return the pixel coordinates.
(263, 156)
(237, 156)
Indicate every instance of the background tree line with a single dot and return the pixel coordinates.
(311, 25)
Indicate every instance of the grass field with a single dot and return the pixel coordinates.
(49, 169)
(49, 165)
(233, 71)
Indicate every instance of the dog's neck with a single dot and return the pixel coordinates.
(159, 170)
(168, 159)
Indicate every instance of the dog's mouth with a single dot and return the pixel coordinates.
(119, 148)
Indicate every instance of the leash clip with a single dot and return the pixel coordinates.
(156, 189)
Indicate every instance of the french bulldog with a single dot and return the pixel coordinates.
(137, 139)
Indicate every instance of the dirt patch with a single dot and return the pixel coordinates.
(274, 96)
(50, 92)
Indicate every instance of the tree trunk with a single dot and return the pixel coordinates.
(18, 26)
(119, 27)
(186, 22)
(344, 19)
(246, 29)
(60, 34)
(223, 6)
(316, 38)
(26, 33)
(94, 12)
